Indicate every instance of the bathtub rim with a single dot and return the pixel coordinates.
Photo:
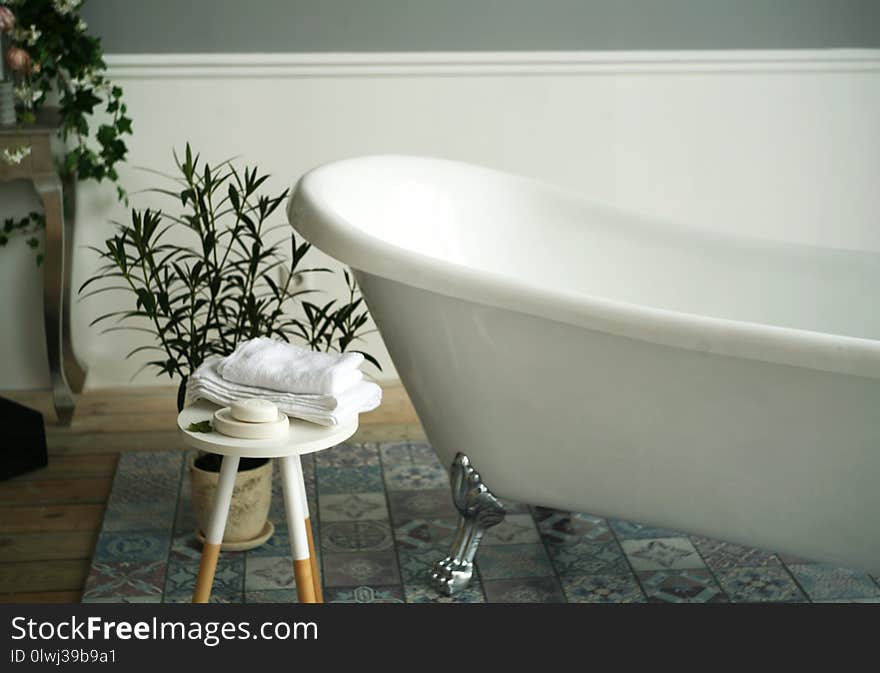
(316, 220)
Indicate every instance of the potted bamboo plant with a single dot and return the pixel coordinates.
(234, 277)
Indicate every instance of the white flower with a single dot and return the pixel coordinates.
(65, 7)
(27, 94)
(28, 35)
(82, 26)
(86, 80)
(15, 155)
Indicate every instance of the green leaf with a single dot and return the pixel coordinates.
(201, 426)
(369, 358)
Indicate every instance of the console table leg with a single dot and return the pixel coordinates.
(49, 189)
(73, 369)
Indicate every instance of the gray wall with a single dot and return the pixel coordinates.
(181, 26)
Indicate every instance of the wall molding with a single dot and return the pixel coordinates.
(476, 64)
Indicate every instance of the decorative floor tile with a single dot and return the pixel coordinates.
(345, 536)
(629, 530)
(186, 546)
(139, 516)
(416, 564)
(122, 579)
(126, 599)
(142, 545)
(365, 594)
(408, 453)
(167, 462)
(562, 527)
(824, 582)
(761, 584)
(681, 586)
(424, 533)
(670, 553)
(588, 558)
(217, 597)
(353, 507)
(309, 478)
(268, 572)
(271, 596)
(185, 520)
(428, 504)
(513, 561)
(790, 559)
(602, 589)
(144, 487)
(185, 492)
(378, 545)
(354, 569)
(349, 455)
(410, 477)
(515, 529)
(718, 554)
(532, 590)
(279, 543)
(512, 507)
(228, 578)
(278, 515)
(333, 480)
(424, 593)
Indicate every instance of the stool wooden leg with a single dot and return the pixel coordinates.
(313, 558)
(294, 489)
(216, 528)
(316, 572)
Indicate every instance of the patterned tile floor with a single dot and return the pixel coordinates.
(382, 516)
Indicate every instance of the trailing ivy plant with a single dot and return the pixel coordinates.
(48, 50)
(28, 226)
(227, 283)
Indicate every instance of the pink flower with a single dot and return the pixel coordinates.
(18, 59)
(7, 20)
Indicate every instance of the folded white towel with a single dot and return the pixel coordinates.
(206, 383)
(278, 365)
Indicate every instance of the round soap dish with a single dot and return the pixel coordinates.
(226, 424)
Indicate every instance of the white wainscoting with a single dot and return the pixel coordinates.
(780, 144)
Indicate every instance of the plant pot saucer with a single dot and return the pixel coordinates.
(244, 545)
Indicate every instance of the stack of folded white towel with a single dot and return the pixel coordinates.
(324, 388)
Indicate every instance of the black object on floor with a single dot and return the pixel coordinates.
(22, 439)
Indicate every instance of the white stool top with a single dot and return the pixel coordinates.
(302, 437)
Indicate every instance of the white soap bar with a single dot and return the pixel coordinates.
(225, 424)
(254, 411)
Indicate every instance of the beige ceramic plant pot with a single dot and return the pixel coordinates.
(248, 512)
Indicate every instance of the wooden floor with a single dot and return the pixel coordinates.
(50, 518)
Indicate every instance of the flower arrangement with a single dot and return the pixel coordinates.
(47, 50)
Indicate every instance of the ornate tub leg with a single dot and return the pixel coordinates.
(479, 510)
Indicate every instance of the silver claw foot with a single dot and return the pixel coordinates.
(479, 511)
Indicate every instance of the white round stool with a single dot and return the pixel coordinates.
(301, 438)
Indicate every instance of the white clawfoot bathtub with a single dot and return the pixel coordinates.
(592, 360)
